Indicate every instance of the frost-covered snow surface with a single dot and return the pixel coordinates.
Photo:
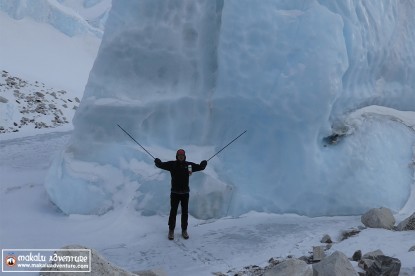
(135, 242)
(194, 74)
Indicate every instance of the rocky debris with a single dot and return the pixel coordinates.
(349, 233)
(375, 263)
(307, 259)
(379, 218)
(335, 264)
(38, 105)
(370, 264)
(153, 272)
(407, 224)
(253, 270)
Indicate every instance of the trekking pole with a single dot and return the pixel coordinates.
(135, 141)
(227, 145)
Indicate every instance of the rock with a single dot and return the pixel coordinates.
(326, 239)
(407, 224)
(291, 267)
(365, 264)
(381, 265)
(357, 256)
(335, 264)
(77, 100)
(318, 253)
(273, 262)
(349, 233)
(24, 121)
(378, 218)
(3, 100)
(39, 94)
(410, 249)
(372, 254)
(40, 109)
(153, 272)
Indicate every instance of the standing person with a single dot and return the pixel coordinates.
(180, 170)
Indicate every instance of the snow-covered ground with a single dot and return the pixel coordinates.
(135, 242)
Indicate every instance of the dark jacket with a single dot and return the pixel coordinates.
(179, 174)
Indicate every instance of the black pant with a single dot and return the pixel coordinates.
(175, 199)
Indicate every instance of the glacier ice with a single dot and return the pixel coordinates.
(57, 15)
(194, 74)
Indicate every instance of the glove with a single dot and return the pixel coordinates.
(157, 162)
(203, 163)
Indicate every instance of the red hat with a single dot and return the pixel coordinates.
(181, 152)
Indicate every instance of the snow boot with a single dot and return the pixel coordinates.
(185, 235)
(171, 235)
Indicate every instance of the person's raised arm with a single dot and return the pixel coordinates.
(199, 167)
(162, 165)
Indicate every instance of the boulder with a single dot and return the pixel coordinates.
(335, 264)
(378, 218)
(3, 100)
(380, 265)
(318, 253)
(326, 239)
(291, 267)
(407, 224)
(357, 256)
(372, 254)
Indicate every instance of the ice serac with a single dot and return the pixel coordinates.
(154, 75)
(195, 74)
